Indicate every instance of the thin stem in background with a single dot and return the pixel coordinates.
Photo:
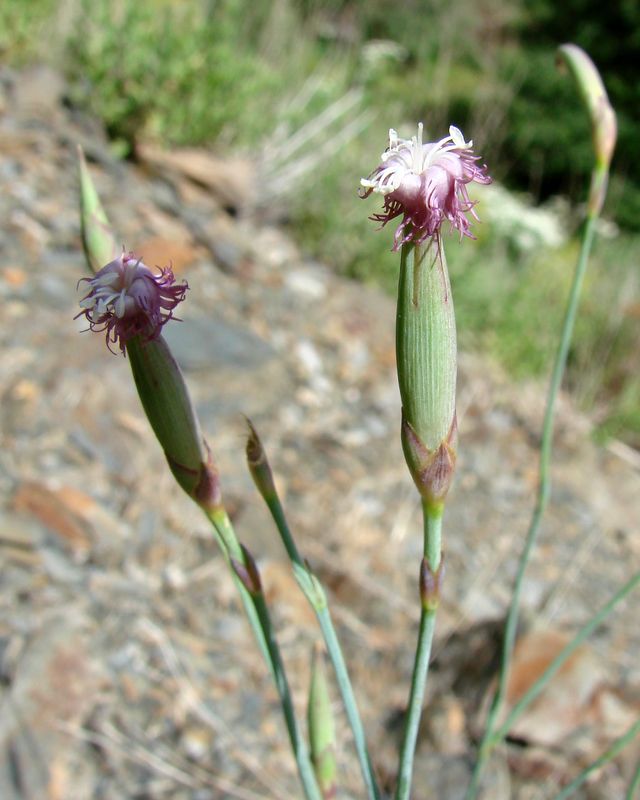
(544, 487)
(634, 786)
(432, 550)
(305, 767)
(534, 690)
(608, 755)
(260, 621)
(334, 650)
(349, 701)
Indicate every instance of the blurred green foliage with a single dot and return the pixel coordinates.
(610, 33)
(175, 71)
(252, 75)
(22, 29)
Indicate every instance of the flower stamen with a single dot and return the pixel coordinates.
(427, 183)
(127, 299)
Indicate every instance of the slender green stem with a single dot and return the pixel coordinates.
(230, 548)
(634, 786)
(277, 512)
(333, 648)
(416, 697)
(259, 619)
(608, 755)
(544, 487)
(348, 699)
(305, 767)
(534, 690)
(432, 550)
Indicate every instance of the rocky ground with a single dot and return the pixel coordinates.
(127, 668)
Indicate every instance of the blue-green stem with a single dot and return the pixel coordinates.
(432, 518)
(348, 699)
(633, 792)
(259, 619)
(544, 488)
(607, 756)
(318, 602)
(298, 745)
(230, 548)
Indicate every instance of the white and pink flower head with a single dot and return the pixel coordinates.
(128, 299)
(427, 183)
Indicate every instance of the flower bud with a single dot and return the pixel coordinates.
(603, 118)
(259, 465)
(322, 738)
(426, 355)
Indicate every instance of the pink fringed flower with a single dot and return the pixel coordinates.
(127, 299)
(428, 184)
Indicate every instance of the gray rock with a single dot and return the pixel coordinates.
(212, 343)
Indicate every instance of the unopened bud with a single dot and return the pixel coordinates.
(594, 94)
(603, 118)
(322, 738)
(259, 464)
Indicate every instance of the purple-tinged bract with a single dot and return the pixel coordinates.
(427, 183)
(128, 299)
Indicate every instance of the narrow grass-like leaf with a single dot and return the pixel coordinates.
(98, 240)
(607, 756)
